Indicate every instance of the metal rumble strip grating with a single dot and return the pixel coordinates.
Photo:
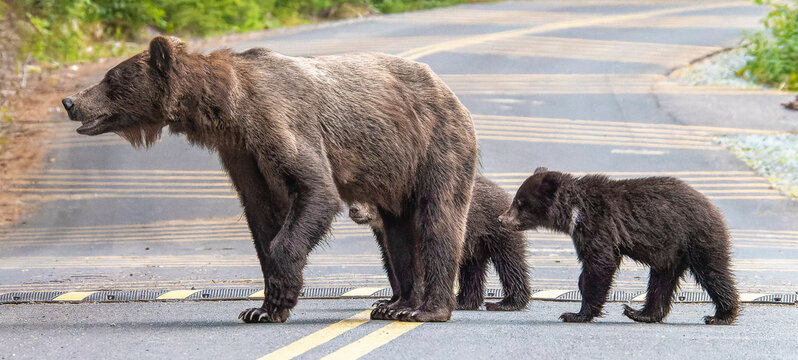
(217, 294)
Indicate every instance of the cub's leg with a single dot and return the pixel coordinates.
(713, 272)
(594, 283)
(662, 286)
(509, 259)
(472, 282)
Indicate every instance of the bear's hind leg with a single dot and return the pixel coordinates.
(402, 248)
(714, 275)
(472, 282)
(379, 234)
(442, 213)
(662, 286)
(594, 284)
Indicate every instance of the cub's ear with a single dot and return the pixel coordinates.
(541, 170)
(163, 51)
(549, 185)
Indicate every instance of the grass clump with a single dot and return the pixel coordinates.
(774, 50)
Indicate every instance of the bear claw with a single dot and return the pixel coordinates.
(575, 318)
(261, 315)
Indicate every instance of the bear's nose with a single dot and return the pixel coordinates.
(68, 104)
(353, 212)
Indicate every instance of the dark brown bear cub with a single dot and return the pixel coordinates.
(658, 221)
(485, 240)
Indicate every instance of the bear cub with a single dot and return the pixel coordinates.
(485, 240)
(658, 221)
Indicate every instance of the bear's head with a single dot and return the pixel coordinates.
(530, 207)
(131, 100)
(362, 213)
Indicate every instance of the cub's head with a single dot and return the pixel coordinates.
(363, 214)
(130, 98)
(530, 206)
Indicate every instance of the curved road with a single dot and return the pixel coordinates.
(576, 86)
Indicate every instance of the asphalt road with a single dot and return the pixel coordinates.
(576, 86)
(206, 331)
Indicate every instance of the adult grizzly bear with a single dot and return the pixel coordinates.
(485, 240)
(658, 221)
(299, 135)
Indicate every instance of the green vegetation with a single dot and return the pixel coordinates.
(64, 31)
(775, 50)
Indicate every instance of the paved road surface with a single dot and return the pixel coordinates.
(206, 331)
(572, 85)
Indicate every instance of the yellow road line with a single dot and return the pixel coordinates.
(362, 291)
(176, 294)
(132, 171)
(89, 176)
(638, 173)
(566, 127)
(317, 338)
(145, 185)
(74, 296)
(714, 129)
(372, 341)
(594, 142)
(670, 55)
(488, 130)
(420, 52)
(549, 294)
(115, 190)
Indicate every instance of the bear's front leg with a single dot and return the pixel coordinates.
(594, 284)
(280, 296)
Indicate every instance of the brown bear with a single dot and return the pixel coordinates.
(485, 240)
(658, 221)
(299, 135)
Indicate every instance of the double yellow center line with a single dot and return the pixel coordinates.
(354, 350)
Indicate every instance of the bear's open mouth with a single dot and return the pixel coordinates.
(93, 127)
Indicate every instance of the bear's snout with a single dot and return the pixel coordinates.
(68, 104)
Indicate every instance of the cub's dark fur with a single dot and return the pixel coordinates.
(658, 221)
(485, 240)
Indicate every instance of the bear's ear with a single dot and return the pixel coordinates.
(549, 185)
(541, 170)
(163, 50)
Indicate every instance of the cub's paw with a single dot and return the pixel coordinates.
(503, 306)
(714, 320)
(639, 315)
(261, 315)
(575, 318)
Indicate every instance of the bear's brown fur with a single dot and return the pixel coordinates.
(297, 136)
(658, 221)
(485, 240)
